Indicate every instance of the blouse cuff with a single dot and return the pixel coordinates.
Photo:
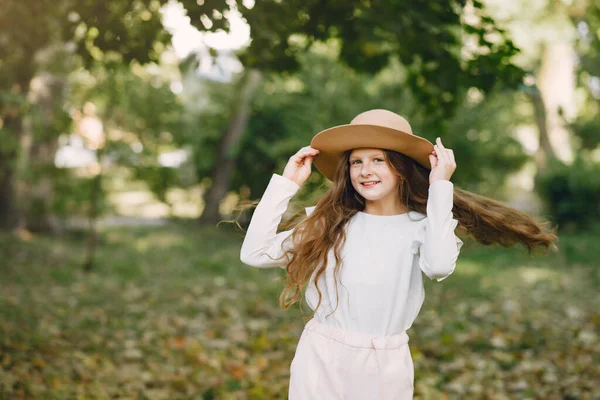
(434, 241)
(441, 198)
(262, 244)
(283, 182)
(273, 204)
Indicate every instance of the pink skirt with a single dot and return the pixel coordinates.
(332, 363)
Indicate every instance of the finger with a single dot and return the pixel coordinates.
(438, 141)
(307, 161)
(446, 155)
(441, 154)
(304, 152)
(304, 156)
(433, 161)
(443, 150)
(451, 156)
(298, 158)
(308, 150)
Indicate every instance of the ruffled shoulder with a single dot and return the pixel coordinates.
(309, 210)
(418, 237)
(418, 232)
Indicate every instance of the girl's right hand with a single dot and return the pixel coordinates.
(298, 167)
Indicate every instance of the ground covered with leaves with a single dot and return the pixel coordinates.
(171, 313)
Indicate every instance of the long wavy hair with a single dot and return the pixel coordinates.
(486, 220)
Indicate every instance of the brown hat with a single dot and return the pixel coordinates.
(374, 128)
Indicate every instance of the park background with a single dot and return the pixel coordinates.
(133, 132)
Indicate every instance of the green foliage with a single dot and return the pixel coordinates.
(203, 126)
(481, 136)
(427, 37)
(572, 193)
(131, 98)
(589, 43)
(75, 195)
(587, 127)
(113, 37)
(290, 110)
(587, 130)
(113, 32)
(22, 37)
(141, 116)
(13, 105)
(159, 179)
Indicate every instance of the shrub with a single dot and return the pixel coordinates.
(572, 193)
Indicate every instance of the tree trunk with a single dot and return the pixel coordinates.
(92, 239)
(556, 81)
(554, 104)
(545, 152)
(9, 212)
(40, 149)
(226, 157)
(11, 143)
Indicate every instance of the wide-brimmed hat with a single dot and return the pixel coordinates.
(381, 129)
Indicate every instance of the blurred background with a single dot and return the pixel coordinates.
(131, 132)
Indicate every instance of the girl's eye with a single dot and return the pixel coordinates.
(355, 161)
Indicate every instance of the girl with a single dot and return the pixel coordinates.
(387, 219)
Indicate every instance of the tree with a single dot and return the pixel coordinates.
(289, 109)
(442, 51)
(444, 46)
(587, 126)
(223, 170)
(113, 32)
(547, 33)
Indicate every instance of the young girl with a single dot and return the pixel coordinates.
(386, 220)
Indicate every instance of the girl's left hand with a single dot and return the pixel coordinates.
(442, 162)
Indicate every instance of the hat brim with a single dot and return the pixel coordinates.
(333, 142)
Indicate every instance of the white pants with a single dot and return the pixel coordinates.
(335, 364)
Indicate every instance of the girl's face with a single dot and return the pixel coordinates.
(369, 165)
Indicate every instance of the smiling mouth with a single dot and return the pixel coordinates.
(370, 184)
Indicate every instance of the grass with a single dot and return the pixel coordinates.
(171, 313)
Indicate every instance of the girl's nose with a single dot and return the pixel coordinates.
(366, 170)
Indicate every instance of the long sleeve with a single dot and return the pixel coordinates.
(434, 240)
(262, 245)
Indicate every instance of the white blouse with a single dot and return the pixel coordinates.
(380, 285)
